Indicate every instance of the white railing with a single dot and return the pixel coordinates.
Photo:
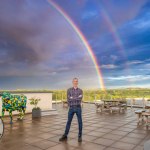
(131, 102)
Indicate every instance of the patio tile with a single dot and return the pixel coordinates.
(97, 134)
(125, 129)
(45, 129)
(90, 146)
(131, 140)
(75, 143)
(32, 140)
(58, 132)
(138, 148)
(143, 142)
(112, 148)
(28, 147)
(11, 146)
(131, 126)
(46, 135)
(117, 132)
(105, 142)
(62, 146)
(123, 146)
(103, 130)
(141, 131)
(85, 131)
(44, 144)
(112, 136)
(90, 128)
(137, 135)
(110, 127)
(88, 138)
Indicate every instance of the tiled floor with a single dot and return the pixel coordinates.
(100, 132)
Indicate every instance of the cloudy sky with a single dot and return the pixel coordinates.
(39, 49)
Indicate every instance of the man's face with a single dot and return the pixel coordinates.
(75, 82)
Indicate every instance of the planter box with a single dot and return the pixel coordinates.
(36, 113)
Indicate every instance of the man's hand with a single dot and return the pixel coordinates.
(80, 96)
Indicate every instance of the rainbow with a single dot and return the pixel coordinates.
(115, 35)
(83, 39)
(112, 29)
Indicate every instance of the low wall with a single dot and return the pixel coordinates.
(45, 103)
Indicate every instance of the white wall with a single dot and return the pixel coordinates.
(44, 104)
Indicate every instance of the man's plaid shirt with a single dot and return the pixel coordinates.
(74, 96)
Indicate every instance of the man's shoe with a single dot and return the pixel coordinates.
(63, 138)
(79, 139)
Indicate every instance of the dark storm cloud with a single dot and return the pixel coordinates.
(13, 51)
(35, 40)
(17, 25)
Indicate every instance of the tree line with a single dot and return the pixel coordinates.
(91, 95)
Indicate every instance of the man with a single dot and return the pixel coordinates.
(74, 99)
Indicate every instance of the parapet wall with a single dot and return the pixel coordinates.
(45, 103)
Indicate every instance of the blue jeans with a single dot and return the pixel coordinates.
(71, 112)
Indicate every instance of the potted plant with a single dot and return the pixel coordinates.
(36, 111)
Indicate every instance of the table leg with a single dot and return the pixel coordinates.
(139, 117)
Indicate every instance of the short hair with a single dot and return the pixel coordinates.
(75, 79)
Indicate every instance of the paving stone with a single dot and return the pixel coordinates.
(103, 141)
(123, 146)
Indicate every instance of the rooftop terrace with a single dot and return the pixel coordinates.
(101, 131)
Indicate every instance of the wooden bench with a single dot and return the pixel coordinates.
(99, 106)
(139, 114)
(146, 115)
(114, 109)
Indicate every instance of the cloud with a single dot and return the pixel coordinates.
(134, 62)
(118, 12)
(108, 66)
(132, 78)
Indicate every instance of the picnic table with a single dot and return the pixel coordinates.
(111, 105)
(99, 106)
(146, 114)
(141, 113)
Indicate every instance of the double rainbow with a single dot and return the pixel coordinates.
(83, 39)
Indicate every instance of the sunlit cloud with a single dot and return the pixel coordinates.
(108, 66)
(134, 62)
(130, 78)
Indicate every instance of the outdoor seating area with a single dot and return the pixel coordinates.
(111, 105)
(143, 115)
(101, 131)
(140, 107)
